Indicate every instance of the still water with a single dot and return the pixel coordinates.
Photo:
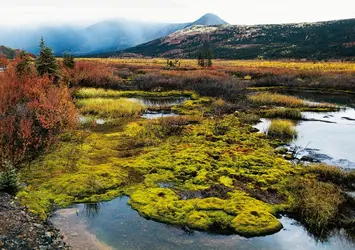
(115, 225)
(329, 139)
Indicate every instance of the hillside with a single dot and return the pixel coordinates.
(7, 52)
(321, 40)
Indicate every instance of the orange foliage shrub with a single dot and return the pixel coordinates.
(32, 111)
(93, 74)
(3, 62)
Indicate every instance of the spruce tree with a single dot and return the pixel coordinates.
(204, 58)
(207, 54)
(46, 62)
(200, 60)
(68, 61)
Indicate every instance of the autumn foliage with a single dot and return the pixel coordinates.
(3, 61)
(32, 112)
(92, 74)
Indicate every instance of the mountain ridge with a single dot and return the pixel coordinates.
(318, 40)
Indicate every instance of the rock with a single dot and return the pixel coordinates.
(39, 226)
(308, 158)
(348, 118)
(49, 236)
(20, 229)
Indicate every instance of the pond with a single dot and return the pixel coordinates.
(115, 225)
(159, 101)
(330, 137)
(162, 102)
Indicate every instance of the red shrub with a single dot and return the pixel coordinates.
(32, 111)
(94, 74)
(3, 61)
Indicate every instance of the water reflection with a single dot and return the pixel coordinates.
(160, 101)
(155, 115)
(92, 210)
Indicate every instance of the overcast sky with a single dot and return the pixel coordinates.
(82, 12)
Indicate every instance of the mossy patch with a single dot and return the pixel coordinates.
(255, 223)
(207, 214)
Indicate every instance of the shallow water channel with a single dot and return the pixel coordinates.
(330, 137)
(115, 225)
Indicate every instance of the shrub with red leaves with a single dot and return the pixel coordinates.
(33, 111)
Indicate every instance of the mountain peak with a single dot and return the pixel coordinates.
(209, 19)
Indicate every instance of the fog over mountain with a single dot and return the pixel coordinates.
(105, 36)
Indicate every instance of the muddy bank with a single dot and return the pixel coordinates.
(77, 234)
(21, 230)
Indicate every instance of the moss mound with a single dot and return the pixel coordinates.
(163, 204)
(255, 223)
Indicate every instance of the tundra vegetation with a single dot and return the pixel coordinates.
(223, 176)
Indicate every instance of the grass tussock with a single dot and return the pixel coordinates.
(283, 129)
(333, 174)
(110, 108)
(274, 99)
(317, 203)
(277, 99)
(283, 113)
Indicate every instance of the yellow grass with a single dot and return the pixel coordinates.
(110, 108)
(291, 65)
(108, 93)
(282, 129)
(277, 99)
(267, 98)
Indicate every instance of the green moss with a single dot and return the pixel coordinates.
(197, 107)
(227, 181)
(210, 204)
(199, 220)
(163, 204)
(255, 223)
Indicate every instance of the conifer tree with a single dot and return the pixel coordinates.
(68, 61)
(46, 62)
(200, 60)
(204, 58)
